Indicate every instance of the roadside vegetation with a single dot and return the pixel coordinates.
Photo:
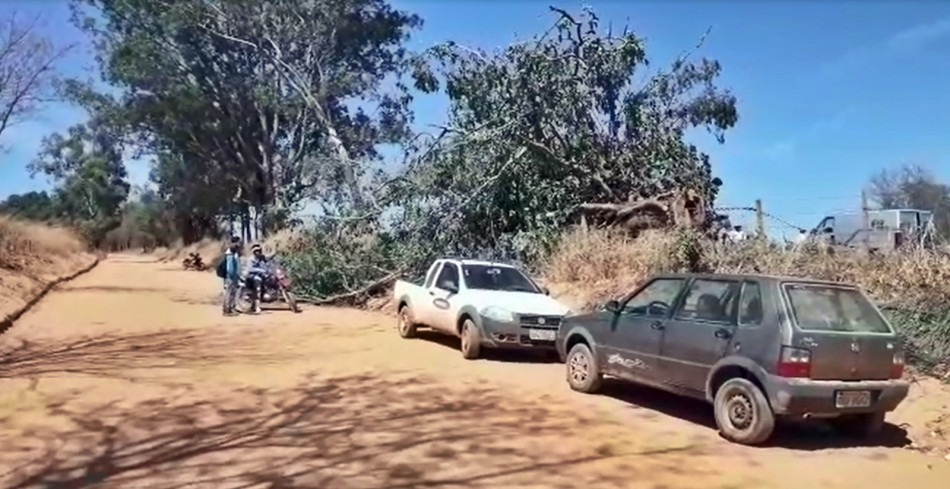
(32, 255)
(912, 287)
(255, 114)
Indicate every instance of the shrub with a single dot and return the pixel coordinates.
(23, 243)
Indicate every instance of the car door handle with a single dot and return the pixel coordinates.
(723, 334)
(432, 292)
(658, 326)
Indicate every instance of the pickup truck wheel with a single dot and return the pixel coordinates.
(866, 425)
(471, 340)
(406, 327)
(742, 412)
(583, 373)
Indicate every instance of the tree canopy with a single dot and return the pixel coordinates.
(250, 110)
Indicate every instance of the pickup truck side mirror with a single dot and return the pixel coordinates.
(612, 306)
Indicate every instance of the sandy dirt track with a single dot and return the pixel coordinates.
(130, 377)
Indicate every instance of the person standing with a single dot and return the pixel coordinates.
(801, 239)
(232, 276)
(255, 273)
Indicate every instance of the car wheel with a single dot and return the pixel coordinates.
(742, 412)
(583, 373)
(471, 341)
(406, 326)
(866, 425)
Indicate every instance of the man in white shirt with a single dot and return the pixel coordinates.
(801, 238)
(737, 234)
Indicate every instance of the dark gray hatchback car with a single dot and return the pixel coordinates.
(756, 347)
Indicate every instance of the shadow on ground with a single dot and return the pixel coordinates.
(115, 355)
(806, 436)
(108, 289)
(509, 356)
(357, 431)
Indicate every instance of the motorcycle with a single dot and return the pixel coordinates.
(276, 284)
(193, 262)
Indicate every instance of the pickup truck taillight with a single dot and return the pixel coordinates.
(794, 362)
(897, 366)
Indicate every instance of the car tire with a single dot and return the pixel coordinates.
(471, 341)
(406, 326)
(583, 373)
(742, 412)
(867, 425)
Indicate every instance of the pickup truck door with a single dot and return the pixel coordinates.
(631, 345)
(422, 305)
(444, 298)
(699, 333)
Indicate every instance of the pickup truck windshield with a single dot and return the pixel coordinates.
(489, 277)
(826, 308)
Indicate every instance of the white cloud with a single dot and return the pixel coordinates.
(900, 43)
(786, 147)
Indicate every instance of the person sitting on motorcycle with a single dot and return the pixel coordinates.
(255, 273)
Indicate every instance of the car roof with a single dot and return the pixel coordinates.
(464, 261)
(755, 276)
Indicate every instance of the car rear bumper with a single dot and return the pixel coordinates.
(496, 334)
(817, 397)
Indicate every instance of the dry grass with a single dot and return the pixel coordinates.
(23, 243)
(912, 286)
(31, 256)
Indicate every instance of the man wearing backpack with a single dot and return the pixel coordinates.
(230, 272)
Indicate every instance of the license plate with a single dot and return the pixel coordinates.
(852, 399)
(541, 334)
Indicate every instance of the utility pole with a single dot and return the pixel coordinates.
(759, 220)
(865, 220)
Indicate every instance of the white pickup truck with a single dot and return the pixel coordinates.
(485, 304)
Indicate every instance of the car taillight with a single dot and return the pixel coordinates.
(794, 362)
(897, 366)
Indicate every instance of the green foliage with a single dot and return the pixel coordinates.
(255, 104)
(325, 263)
(542, 126)
(91, 181)
(32, 206)
(926, 333)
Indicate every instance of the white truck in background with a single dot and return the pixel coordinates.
(483, 303)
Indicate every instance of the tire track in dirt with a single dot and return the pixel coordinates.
(130, 377)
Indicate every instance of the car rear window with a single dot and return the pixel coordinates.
(830, 308)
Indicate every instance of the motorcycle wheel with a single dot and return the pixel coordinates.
(291, 300)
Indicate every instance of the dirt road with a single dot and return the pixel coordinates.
(130, 377)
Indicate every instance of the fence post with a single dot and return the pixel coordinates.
(865, 220)
(760, 220)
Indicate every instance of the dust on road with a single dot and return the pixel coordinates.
(130, 377)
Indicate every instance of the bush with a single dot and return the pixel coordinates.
(23, 243)
(912, 287)
(325, 265)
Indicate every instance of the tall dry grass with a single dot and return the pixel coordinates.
(23, 244)
(913, 287)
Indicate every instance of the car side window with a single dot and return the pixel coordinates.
(449, 277)
(654, 300)
(431, 276)
(750, 306)
(710, 300)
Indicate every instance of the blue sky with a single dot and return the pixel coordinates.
(830, 91)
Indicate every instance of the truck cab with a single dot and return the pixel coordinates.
(486, 304)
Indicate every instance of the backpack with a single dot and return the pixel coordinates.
(222, 269)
